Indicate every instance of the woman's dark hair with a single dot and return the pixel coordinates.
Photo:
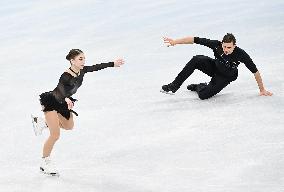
(228, 38)
(73, 53)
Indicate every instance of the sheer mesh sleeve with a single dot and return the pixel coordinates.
(60, 92)
(97, 67)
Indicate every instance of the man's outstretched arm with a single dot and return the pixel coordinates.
(173, 42)
(262, 91)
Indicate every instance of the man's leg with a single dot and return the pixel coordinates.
(200, 62)
(216, 84)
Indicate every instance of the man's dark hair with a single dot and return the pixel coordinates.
(228, 38)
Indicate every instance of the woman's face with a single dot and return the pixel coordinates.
(79, 61)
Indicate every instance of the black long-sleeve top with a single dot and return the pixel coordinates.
(68, 84)
(227, 64)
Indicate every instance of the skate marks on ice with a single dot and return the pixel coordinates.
(187, 100)
(95, 176)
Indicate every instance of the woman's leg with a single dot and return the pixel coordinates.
(64, 123)
(52, 121)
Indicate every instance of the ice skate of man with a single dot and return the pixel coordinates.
(223, 69)
(58, 104)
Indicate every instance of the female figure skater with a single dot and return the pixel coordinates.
(58, 104)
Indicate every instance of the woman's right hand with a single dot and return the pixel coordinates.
(70, 103)
(169, 41)
(118, 62)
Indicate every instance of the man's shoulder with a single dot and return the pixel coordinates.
(240, 51)
(238, 48)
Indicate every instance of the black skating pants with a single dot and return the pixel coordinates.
(207, 66)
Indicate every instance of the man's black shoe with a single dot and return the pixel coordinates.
(170, 88)
(196, 87)
(192, 87)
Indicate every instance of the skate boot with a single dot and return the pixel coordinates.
(200, 87)
(170, 88)
(196, 87)
(191, 87)
(38, 124)
(47, 167)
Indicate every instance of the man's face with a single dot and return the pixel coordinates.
(228, 48)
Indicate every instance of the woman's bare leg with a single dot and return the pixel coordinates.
(52, 121)
(64, 123)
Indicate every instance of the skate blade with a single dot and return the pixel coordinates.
(169, 93)
(49, 174)
(35, 126)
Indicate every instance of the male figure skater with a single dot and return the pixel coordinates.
(223, 69)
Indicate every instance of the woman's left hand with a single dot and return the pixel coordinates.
(118, 62)
(70, 103)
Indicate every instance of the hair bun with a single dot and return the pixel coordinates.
(73, 53)
(68, 57)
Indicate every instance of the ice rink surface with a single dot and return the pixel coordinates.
(128, 136)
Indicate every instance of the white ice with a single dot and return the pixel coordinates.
(129, 137)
